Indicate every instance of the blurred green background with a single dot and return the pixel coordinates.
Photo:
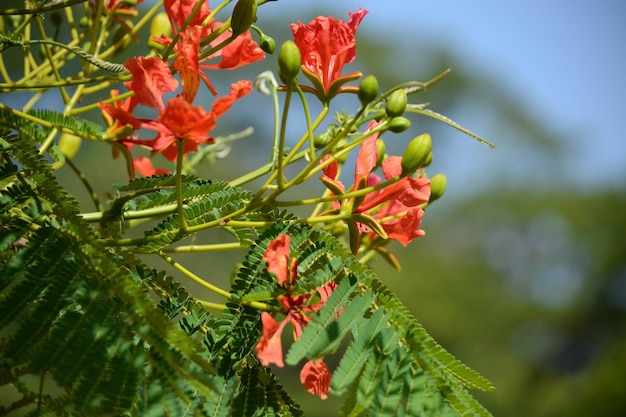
(522, 273)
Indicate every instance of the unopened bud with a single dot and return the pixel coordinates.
(428, 161)
(368, 90)
(267, 44)
(396, 103)
(437, 187)
(321, 140)
(416, 153)
(244, 15)
(160, 26)
(68, 145)
(288, 62)
(398, 124)
(83, 22)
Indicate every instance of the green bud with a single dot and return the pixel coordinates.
(396, 103)
(288, 62)
(416, 153)
(267, 44)
(368, 90)
(428, 161)
(398, 124)
(342, 158)
(321, 140)
(56, 18)
(83, 22)
(437, 187)
(244, 15)
(160, 26)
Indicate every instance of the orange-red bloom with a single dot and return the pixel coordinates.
(241, 51)
(182, 120)
(395, 207)
(325, 45)
(151, 79)
(315, 375)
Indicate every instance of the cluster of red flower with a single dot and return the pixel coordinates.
(325, 45)
(315, 375)
(179, 121)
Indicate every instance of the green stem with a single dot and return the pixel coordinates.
(215, 289)
(212, 306)
(280, 180)
(83, 179)
(179, 186)
(204, 248)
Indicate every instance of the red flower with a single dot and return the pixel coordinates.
(395, 207)
(119, 115)
(179, 10)
(325, 45)
(315, 377)
(144, 166)
(182, 120)
(151, 79)
(241, 51)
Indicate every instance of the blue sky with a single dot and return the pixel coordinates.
(565, 61)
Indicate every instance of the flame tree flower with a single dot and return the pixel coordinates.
(315, 376)
(395, 207)
(325, 45)
(181, 121)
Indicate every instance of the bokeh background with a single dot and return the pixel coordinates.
(522, 274)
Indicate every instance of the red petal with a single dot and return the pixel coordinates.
(270, 349)
(277, 257)
(315, 377)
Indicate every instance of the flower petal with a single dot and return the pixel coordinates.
(277, 257)
(315, 377)
(270, 349)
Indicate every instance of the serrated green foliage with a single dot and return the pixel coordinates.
(81, 312)
(72, 311)
(208, 208)
(29, 130)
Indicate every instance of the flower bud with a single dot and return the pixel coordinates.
(267, 44)
(160, 26)
(396, 103)
(83, 22)
(398, 124)
(244, 15)
(416, 153)
(368, 90)
(437, 187)
(428, 161)
(68, 145)
(288, 62)
(341, 157)
(321, 140)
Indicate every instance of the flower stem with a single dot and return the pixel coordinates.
(179, 186)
